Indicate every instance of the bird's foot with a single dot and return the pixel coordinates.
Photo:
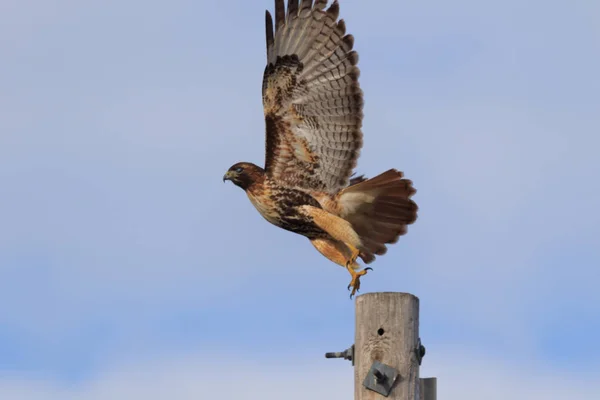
(354, 253)
(355, 282)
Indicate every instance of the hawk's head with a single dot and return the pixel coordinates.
(244, 174)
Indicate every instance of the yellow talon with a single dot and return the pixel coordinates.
(355, 282)
(354, 255)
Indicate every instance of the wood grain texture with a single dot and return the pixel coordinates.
(387, 330)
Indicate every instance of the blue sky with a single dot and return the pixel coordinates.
(127, 268)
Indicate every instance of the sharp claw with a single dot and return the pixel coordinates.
(355, 283)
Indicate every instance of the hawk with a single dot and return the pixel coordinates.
(313, 115)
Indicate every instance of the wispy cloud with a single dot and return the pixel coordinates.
(204, 375)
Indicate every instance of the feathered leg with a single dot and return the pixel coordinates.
(342, 254)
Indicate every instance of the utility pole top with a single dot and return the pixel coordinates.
(387, 350)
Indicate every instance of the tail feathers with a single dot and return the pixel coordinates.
(379, 210)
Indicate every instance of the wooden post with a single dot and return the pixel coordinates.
(387, 330)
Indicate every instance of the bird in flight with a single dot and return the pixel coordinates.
(313, 108)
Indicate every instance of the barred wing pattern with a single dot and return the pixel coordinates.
(311, 98)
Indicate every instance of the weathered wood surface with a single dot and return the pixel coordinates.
(387, 330)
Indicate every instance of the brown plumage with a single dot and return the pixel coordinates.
(313, 116)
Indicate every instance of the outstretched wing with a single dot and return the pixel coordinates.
(311, 97)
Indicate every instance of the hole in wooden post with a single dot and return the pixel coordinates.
(380, 331)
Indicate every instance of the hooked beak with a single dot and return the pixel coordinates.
(227, 176)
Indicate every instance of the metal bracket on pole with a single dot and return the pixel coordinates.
(420, 351)
(381, 378)
(347, 354)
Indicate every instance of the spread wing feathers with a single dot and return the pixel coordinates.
(311, 98)
(379, 210)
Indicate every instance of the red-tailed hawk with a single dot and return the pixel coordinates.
(313, 113)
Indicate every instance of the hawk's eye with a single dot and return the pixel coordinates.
(239, 169)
